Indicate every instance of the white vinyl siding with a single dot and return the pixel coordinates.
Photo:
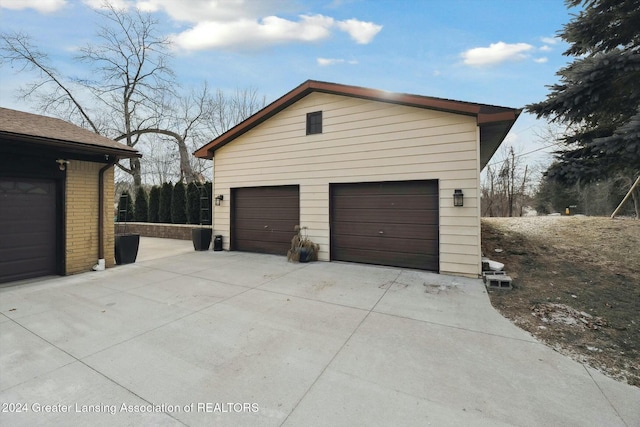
(362, 141)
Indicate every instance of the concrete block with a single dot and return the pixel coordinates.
(492, 273)
(498, 281)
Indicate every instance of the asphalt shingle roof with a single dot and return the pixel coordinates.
(52, 130)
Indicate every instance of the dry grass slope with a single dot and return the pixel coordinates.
(576, 286)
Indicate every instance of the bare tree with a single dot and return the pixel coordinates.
(131, 95)
(228, 111)
(506, 187)
(131, 79)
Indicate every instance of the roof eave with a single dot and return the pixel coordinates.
(72, 146)
(493, 130)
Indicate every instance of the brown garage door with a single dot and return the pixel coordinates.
(263, 218)
(27, 228)
(386, 223)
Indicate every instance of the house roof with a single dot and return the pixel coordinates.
(51, 132)
(494, 121)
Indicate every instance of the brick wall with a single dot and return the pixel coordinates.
(82, 216)
(165, 231)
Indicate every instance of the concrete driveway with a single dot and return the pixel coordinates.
(238, 339)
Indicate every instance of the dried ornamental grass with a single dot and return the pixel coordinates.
(301, 241)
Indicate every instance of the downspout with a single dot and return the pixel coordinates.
(100, 266)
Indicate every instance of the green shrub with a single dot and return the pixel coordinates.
(193, 203)
(179, 204)
(164, 212)
(141, 211)
(125, 207)
(154, 204)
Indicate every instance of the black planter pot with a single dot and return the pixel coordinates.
(305, 255)
(127, 248)
(201, 238)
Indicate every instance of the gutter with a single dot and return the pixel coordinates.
(100, 266)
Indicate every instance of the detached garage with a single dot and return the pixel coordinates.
(56, 192)
(371, 174)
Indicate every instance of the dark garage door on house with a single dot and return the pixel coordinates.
(263, 218)
(27, 228)
(386, 223)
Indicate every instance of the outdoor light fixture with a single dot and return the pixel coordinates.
(219, 198)
(458, 198)
(62, 164)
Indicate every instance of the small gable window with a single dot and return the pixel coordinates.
(314, 122)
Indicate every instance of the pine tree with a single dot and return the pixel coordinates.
(598, 96)
(193, 203)
(164, 211)
(179, 204)
(154, 204)
(141, 212)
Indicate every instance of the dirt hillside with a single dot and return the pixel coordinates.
(576, 286)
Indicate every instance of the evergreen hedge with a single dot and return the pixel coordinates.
(164, 214)
(141, 211)
(179, 204)
(193, 203)
(154, 204)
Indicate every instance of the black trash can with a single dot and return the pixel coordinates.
(217, 242)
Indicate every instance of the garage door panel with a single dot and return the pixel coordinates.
(392, 201)
(25, 251)
(265, 236)
(263, 202)
(272, 214)
(387, 223)
(399, 216)
(389, 188)
(373, 229)
(264, 218)
(387, 244)
(418, 261)
(261, 224)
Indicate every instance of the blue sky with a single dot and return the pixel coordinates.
(500, 52)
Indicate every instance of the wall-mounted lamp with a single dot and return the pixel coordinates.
(458, 198)
(219, 198)
(62, 164)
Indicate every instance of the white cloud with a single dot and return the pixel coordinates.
(116, 4)
(246, 33)
(541, 60)
(332, 61)
(255, 33)
(245, 24)
(197, 11)
(496, 53)
(43, 6)
(549, 40)
(360, 31)
(329, 61)
(545, 48)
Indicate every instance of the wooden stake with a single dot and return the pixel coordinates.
(633, 187)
